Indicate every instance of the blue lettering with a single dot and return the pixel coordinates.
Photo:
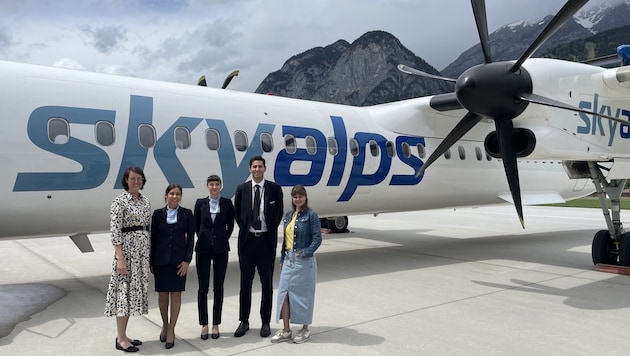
(624, 130)
(586, 129)
(412, 161)
(282, 170)
(357, 177)
(234, 174)
(93, 160)
(339, 160)
(164, 153)
(140, 112)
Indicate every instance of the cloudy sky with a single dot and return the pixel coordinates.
(179, 40)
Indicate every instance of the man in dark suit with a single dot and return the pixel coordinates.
(258, 210)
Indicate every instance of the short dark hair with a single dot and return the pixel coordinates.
(213, 178)
(173, 186)
(136, 170)
(257, 158)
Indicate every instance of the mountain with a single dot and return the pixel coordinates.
(510, 41)
(362, 73)
(599, 45)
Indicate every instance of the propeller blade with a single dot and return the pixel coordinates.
(568, 10)
(406, 69)
(539, 99)
(479, 9)
(505, 134)
(462, 127)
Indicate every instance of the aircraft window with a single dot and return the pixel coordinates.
(104, 131)
(311, 145)
(373, 148)
(421, 151)
(354, 147)
(240, 141)
(462, 152)
(58, 131)
(406, 150)
(447, 154)
(266, 141)
(478, 153)
(146, 135)
(390, 148)
(213, 140)
(289, 143)
(182, 138)
(333, 149)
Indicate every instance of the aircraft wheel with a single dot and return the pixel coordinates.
(339, 224)
(603, 248)
(624, 250)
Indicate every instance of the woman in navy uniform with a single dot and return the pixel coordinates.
(172, 239)
(214, 218)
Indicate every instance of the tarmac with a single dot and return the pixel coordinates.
(464, 281)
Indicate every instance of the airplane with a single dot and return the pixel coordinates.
(550, 126)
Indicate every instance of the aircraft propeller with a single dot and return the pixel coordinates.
(499, 91)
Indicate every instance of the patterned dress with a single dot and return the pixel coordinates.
(127, 294)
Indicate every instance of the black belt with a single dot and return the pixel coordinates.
(258, 234)
(135, 228)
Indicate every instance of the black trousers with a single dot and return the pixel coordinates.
(256, 255)
(219, 261)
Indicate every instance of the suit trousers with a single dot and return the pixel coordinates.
(204, 261)
(256, 255)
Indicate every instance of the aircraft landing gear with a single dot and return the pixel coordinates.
(610, 246)
(336, 224)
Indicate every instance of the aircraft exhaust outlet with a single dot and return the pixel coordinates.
(524, 143)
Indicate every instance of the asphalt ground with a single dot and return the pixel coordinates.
(442, 282)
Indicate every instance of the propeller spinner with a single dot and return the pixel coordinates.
(499, 91)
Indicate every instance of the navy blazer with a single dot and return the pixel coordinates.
(172, 243)
(273, 207)
(214, 236)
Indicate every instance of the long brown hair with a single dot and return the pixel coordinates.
(299, 189)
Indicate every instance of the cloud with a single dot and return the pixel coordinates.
(106, 38)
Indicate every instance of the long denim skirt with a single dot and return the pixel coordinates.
(297, 280)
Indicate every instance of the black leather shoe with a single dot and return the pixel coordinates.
(128, 349)
(242, 329)
(265, 330)
(162, 338)
(214, 335)
(136, 342)
(169, 345)
(205, 336)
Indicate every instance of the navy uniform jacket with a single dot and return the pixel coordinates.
(273, 207)
(172, 243)
(214, 236)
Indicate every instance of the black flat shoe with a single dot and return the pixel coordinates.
(265, 330)
(162, 338)
(243, 327)
(136, 342)
(128, 349)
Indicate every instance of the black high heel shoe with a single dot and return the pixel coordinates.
(131, 348)
(216, 335)
(162, 338)
(169, 345)
(204, 336)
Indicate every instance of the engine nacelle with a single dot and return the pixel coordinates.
(524, 143)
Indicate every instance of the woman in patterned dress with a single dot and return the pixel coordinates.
(127, 293)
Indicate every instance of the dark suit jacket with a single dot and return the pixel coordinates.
(273, 207)
(172, 243)
(214, 236)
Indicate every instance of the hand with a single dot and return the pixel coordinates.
(182, 268)
(121, 266)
